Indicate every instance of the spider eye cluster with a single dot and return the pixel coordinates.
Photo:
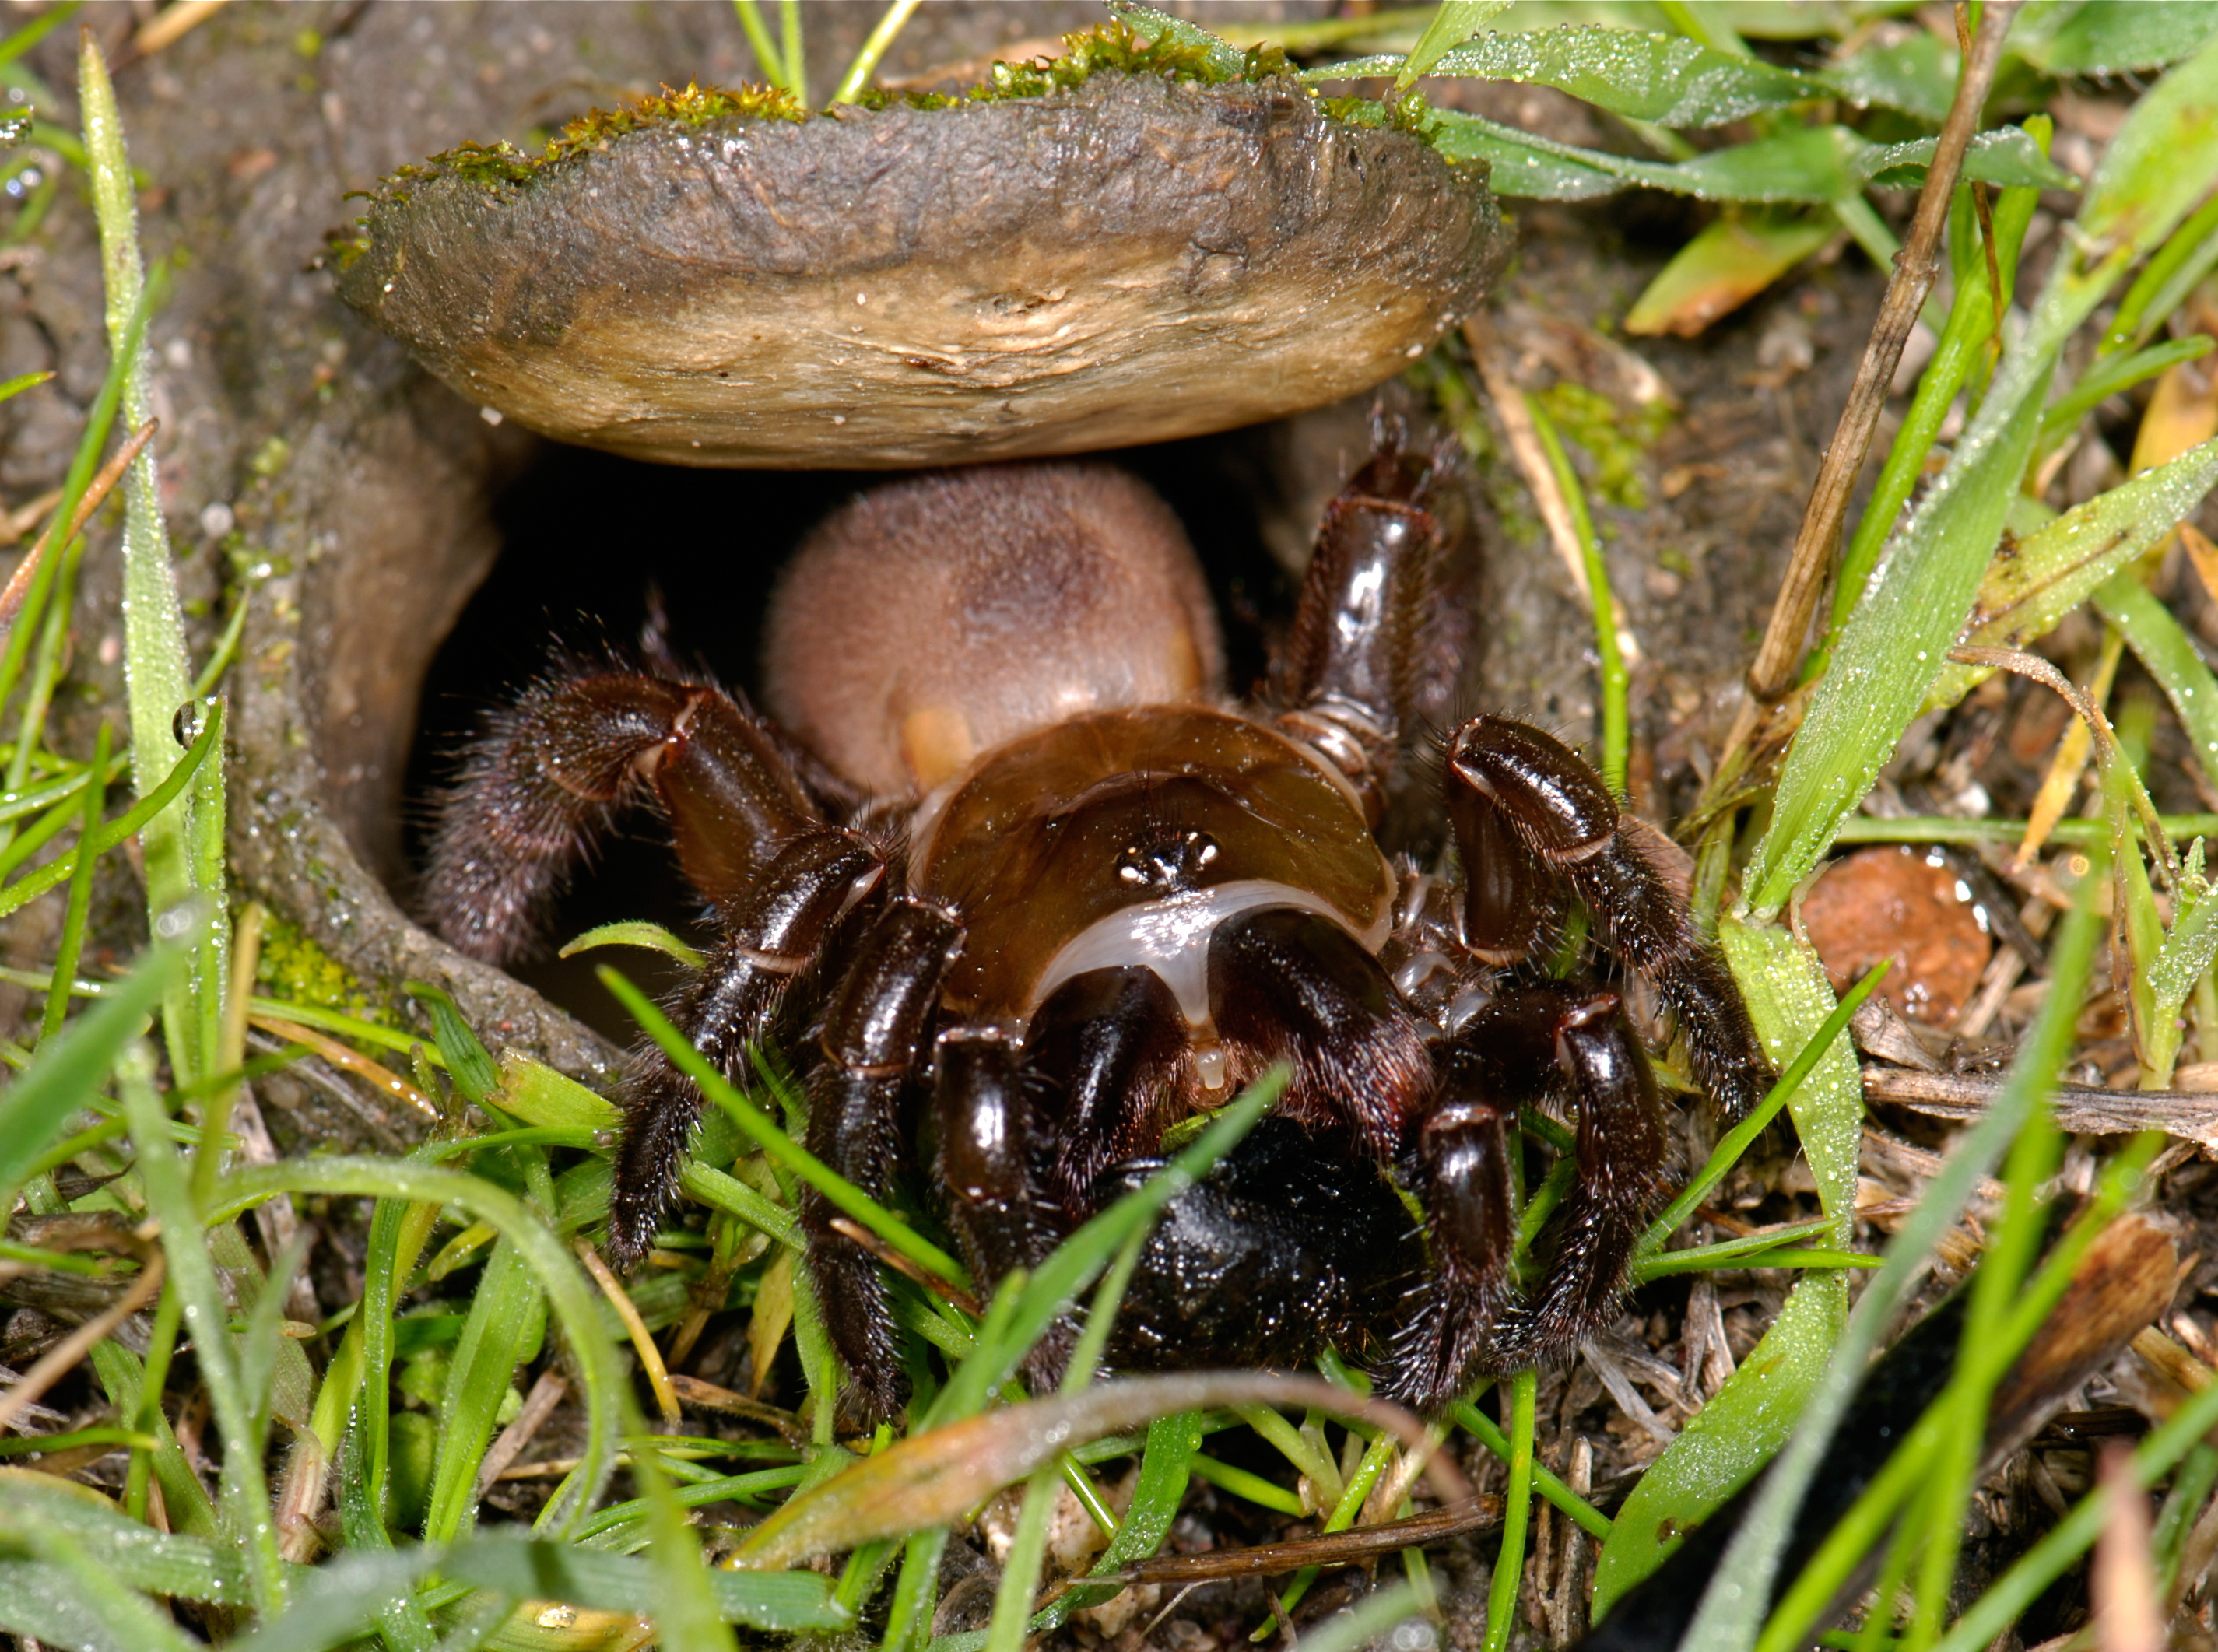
(1174, 862)
(932, 620)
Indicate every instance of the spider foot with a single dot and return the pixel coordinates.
(1617, 1186)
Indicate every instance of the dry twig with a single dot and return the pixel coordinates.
(62, 1358)
(1771, 674)
(1328, 1549)
(2191, 1115)
(19, 582)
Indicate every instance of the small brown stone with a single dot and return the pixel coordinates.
(1905, 904)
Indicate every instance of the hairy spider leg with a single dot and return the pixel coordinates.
(1562, 1036)
(1526, 813)
(1348, 673)
(547, 778)
(1107, 1051)
(773, 934)
(876, 1022)
(1287, 985)
(1546, 1038)
(1458, 1166)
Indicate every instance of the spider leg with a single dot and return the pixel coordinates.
(548, 776)
(875, 1024)
(1522, 1045)
(1348, 672)
(772, 934)
(1287, 985)
(1529, 816)
(1458, 1166)
(1619, 1156)
(1108, 1048)
(992, 1144)
(998, 1171)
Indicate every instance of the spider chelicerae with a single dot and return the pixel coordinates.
(1019, 888)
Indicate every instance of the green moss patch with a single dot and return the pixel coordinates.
(1112, 48)
(295, 970)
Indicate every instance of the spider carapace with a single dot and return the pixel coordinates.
(1019, 888)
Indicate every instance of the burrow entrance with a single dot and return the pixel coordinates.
(590, 540)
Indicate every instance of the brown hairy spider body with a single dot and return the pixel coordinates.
(1008, 858)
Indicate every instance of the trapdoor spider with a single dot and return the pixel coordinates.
(1010, 859)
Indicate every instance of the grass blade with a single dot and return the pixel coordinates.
(184, 851)
(36, 1105)
(1897, 640)
(2168, 653)
(780, 1147)
(1453, 20)
(1516, 1512)
(506, 1320)
(80, 894)
(1737, 1600)
(889, 25)
(568, 1291)
(246, 1499)
(933, 1478)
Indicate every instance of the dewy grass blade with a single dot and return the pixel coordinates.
(80, 894)
(15, 805)
(1454, 22)
(507, 1318)
(184, 852)
(1738, 1599)
(2163, 647)
(1172, 1449)
(128, 1618)
(1737, 1139)
(2117, 375)
(653, 936)
(1012, 1602)
(62, 531)
(1828, 1572)
(2090, 549)
(36, 1105)
(245, 1499)
(1971, 323)
(75, 484)
(398, 1233)
(686, 1615)
(571, 1296)
(2166, 279)
(2013, 1245)
(1897, 640)
(466, 1060)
